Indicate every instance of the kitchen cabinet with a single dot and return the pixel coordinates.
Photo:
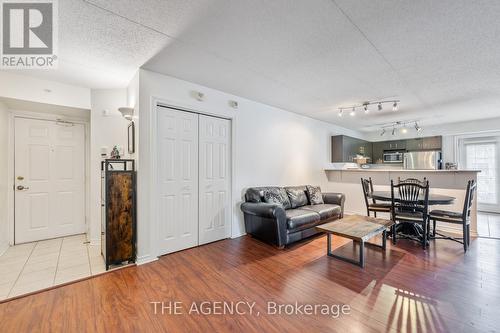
(414, 144)
(433, 142)
(394, 145)
(378, 152)
(427, 143)
(345, 148)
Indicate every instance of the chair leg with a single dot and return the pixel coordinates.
(393, 231)
(424, 235)
(433, 228)
(465, 237)
(375, 214)
(468, 235)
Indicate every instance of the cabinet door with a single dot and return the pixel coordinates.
(378, 152)
(414, 144)
(400, 144)
(337, 149)
(433, 142)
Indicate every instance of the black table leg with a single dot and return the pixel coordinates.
(360, 262)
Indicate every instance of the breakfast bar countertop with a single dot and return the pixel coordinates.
(398, 170)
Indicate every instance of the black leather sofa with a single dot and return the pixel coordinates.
(277, 225)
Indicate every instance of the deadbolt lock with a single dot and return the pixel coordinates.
(20, 178)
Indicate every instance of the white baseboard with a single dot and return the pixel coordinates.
(238, 235)
(3, 247)
(145, 259)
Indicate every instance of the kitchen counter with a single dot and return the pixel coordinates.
(446, 182)
(401, 170)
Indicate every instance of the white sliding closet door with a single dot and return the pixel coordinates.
(177, 179)
(214, 221)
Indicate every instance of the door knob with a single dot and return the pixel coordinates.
(21, 188)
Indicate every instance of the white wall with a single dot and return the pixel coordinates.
(106, 131)
(28, 88)
(270, 147)
(4, 123)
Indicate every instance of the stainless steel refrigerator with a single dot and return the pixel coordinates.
(422, 160)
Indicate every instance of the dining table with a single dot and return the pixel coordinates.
(412, 230)
(434, 199)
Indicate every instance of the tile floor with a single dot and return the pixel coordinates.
(488, 225)
(33, 266)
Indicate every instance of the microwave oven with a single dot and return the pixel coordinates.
(393, 157)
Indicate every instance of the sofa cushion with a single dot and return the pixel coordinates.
(297, 196)
(315, 196)
(254, 194)
(326, 211)
(278, 196)
(300, 219)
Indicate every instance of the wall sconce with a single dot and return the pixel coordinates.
(127, 112)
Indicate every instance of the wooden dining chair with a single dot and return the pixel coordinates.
(462, 217)
(371, 204)
(410, 206)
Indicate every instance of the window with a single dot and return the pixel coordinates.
(483, 154)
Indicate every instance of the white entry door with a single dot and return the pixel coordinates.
(215, 138)
(178, 179)
(49, 180)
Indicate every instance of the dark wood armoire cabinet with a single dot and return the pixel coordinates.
(118, 213)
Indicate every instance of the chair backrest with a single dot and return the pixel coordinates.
(367, 186)
(412, 197)
(470, 194)
(412, 181)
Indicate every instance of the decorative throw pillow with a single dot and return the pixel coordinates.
(315, 196)
(297, 196)
(277, 195)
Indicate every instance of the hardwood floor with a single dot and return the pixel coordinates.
(404, 290)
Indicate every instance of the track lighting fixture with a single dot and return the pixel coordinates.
(366, 107)
(401, 126)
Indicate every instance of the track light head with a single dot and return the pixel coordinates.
(365, 107)
(341, 112)
(353, 112)
(383, 132)
(395, 106)
(417, 128)
(394, 131)
(380, 106)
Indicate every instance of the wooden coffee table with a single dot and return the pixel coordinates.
(358, 228)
